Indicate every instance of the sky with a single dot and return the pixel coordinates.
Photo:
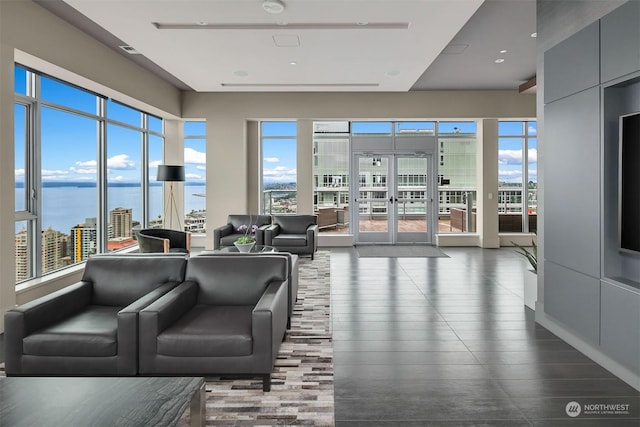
(69, 140)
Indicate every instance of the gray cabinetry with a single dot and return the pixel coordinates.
(571, 165)
(573, 65)
(620, 323)
(620, 41)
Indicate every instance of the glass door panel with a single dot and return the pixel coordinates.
(373, 199)
(412, 199)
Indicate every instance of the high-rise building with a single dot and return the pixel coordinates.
(82, 240)
(53, 245)
(121, 221)
(22, 258)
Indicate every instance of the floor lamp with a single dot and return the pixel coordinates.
(170, 174)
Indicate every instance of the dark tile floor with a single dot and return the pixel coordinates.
(448, 342)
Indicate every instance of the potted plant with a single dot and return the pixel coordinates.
(530, 275)
(246, 242)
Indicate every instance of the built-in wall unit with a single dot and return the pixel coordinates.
(591, 272)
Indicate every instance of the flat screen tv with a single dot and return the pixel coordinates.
(629, 183)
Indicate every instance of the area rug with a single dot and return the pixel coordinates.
(399, 251)
(302, 383)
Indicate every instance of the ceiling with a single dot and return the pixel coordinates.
(318, 45)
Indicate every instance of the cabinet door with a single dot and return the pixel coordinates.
(620, 41)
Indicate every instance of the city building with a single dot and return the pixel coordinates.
(82, 240)
(121, 222)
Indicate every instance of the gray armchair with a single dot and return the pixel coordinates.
(293, 233)
(90, 328)
(228, 317)
(228, 233)
(162, 240)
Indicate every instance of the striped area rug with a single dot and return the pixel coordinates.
(302, 382)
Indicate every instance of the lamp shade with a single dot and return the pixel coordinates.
(170, 173)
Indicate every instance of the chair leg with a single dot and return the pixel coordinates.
(288, 322)
(266, 382)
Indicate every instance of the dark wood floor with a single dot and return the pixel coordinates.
(448, 341)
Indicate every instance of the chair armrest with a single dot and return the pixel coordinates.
(167, 309)
(270, 232)
(219, 233)
(269, 318)
(312, 234)
(260, 240)
(128, 328)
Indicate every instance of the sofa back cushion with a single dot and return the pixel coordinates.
(235, 280)
(295, 224)
(248, 220)
(119, 280)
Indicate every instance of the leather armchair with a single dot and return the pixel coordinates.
(151, 240)
(89, 328)
(228, 233)
(228, 317)
(293, 233)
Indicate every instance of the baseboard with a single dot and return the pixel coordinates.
(619, 370)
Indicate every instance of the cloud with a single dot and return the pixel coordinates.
(201, 168)
(83, 171)
(510, 157)
(271, 160)
(116, 178)
(533, 155)
(279, 174)
(193, 177)
(194, 157)
(120, 162)
(50, 174)
(87, 164)
(154, 163)
(532, 130)
(19, 172)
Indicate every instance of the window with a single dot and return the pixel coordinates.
(279, 160)
(195, 163)
(456, 176)
(331, 175)
(86, 159)
(517, 171)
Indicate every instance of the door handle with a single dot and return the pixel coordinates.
(391, 200)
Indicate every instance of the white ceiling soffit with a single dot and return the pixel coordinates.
(230, 45)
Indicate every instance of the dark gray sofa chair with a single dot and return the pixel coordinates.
(228, 233)
(90, 328)
(151, 240)
(293, 233)
(228, 317)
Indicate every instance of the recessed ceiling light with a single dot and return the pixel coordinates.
(202, 23)
(362, 23)
(293, 63)
(240, 73)
(392, 73)
(534, 35)
(130, 50)
(503, 51)
(499, 60)
(273, 6)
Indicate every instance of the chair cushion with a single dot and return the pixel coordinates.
(208, 330)
(289, 240)
(92, 332)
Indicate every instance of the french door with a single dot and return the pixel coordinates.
(394, 200)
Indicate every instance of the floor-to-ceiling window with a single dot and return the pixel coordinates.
(279, 162)
(456, 160)
(331, 176)
(195, 164)
(81, 173)
(517, 176)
